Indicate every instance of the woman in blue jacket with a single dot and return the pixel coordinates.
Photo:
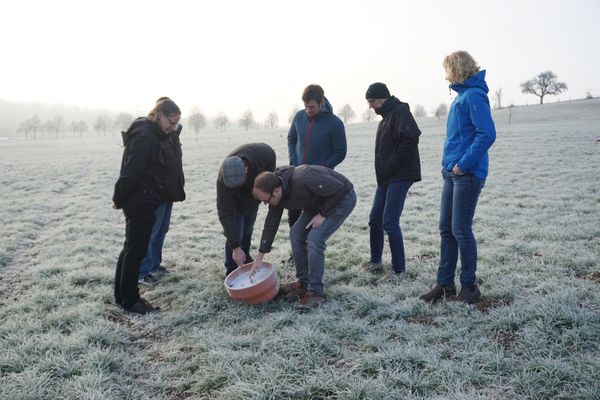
(470, 133)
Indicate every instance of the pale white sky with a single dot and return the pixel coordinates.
(233, 55)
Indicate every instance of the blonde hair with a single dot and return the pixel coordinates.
(166, 106)
(460, 66)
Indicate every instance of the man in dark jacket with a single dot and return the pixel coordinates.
(316, 136)
(397, 166)
(236, 206)
(170, 150)
(326, 199)
(139, 191)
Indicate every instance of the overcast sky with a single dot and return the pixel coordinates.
(230, 55)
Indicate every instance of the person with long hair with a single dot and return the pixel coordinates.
(470, 134)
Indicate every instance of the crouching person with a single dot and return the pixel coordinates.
(326, 198)
(236, 206)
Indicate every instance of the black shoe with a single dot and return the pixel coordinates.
(149, 280)
(142, 307)
(469, 294)
(439, 292)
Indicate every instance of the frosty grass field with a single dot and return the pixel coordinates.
(535, 335)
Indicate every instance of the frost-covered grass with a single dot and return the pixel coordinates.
(535, 336)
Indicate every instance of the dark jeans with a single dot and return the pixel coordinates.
(459, 199)
(246, 226)
(137, 235)
(308, 245)
(385, 217)
(162, 218)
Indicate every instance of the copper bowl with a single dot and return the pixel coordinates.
(260, 288)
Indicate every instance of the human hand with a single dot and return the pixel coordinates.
(457, 170)
(316, 221)
(239, 256)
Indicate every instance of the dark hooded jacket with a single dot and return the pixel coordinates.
(174, 179)
(231, 202)
(141, 180)
(396, 145)
(317, 141)
(309, 187)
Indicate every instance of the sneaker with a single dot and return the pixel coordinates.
(439, 292)
(160, 270)
(309, 302)
(148, 280)
(391, 277)
(292, 291)
(469, 294)
(142, 307)
(371, 266)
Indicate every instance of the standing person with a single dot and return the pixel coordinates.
(326, 198)
(316, 136)
(236, 206)
(170, 148)
(139, 191)
(397, 166)
(470, 133)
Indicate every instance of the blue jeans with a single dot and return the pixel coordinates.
(308, 245)
(459, 199)
(385, 216)
(153, 258)
(246, 226)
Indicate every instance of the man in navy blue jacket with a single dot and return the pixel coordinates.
(316, 136)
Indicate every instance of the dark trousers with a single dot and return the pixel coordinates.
(293, 216)
(246, 226)
(138, 229)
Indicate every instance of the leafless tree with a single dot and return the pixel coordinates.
(545, 83)
(419, 111)
(589, 95)
(498, 99)
(346, 113)
(246, 120)
(78, 127)
(272, 120)
(122, 121)
(102, 124)
(221, 122)
(441, 111)
(368, 115)
(197, 121)
(58, 125)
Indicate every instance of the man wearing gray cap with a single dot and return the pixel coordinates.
(236, 206)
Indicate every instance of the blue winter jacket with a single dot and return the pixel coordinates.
(320, 141)
(470, 128)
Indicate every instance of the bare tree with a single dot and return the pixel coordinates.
(293, 113)
(441, 111)
(246, 120)
(58, 125)
(346, 113)
(545, 83)
(368, 115)
(419, 111)
(197, 121)
(102, 124)
(221, 122)
(589, 95)
(272, 120)
(78, 127)
(498, 99)
(25, 127)
(122, 121)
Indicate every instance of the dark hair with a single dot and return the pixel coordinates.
(267, 182)
(313, 92)
(165, 106)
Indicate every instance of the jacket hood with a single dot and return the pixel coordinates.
(388, 106)
(285, 174)
(327, 108)
(138, 125)
(476, 81)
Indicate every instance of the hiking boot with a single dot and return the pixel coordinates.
(439, 292)
(391, 277)
(309, 302)
(469, 294)
(292, 291)
(148, 280)
(142, 307)
(371, 266)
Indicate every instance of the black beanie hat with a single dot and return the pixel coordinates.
(377, 90)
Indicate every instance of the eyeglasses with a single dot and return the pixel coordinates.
(173, 119)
